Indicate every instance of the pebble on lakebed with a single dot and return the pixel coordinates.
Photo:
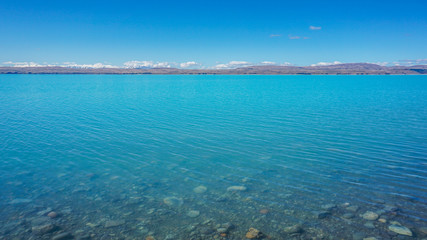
(43, 229)
(52, 215)
(63, 236)
(263, 211)
(369, 215)
(114, 223)
(200, 189)
(293, 229)
(173, 201)
(253, 233)
(193, 213)
(353, 208)
(402, 230)
(236, 188)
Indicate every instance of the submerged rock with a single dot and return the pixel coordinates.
(43, 229)
(263, 211)
(63, 236)
(353, 208)
(293, 229)
(402, 230)
(200, 189)
(52, 215)
(173, 201)
(39, 221)
(369, 215)
(193, 213)
(369, 224)
(170, 237)
(390, 208)
(236, 188)
(253, 233)
(224, 228)
(114, 223)
(92, 225)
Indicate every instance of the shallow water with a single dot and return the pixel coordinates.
(119, 157)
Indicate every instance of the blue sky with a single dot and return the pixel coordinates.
(212, 33)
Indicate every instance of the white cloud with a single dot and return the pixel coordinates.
(65, 64)
(129, 64)
(146, 64)
(381, 63)
(325, 63)
(315, 28)
(232, 64)
(268, 63)
(96, 65)
(274, 63)
(189, 64)
(286, 64)
(275, 35)
(152, 64)
(23, 64)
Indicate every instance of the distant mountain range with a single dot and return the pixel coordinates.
(338, 69)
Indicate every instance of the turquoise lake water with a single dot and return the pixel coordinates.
(208, 157)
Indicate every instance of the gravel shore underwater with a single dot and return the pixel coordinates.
(106, 206)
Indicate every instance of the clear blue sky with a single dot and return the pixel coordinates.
(212, 32)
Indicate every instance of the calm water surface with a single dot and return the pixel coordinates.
(208, 157)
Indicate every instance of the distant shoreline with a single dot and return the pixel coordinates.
(339, 69)
(212, 74)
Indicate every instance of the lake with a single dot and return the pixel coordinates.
(209, 157)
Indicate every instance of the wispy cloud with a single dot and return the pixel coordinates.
(275, 35)
(314, 28)
(293, 37)
(408, 62)
(325, 63)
